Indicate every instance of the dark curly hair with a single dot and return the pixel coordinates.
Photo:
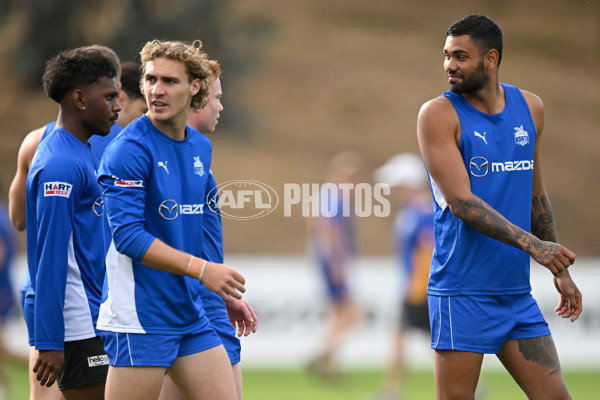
(75, 67)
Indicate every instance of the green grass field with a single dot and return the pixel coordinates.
(358, 385)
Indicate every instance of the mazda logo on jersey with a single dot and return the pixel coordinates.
(98, 207)
(168, 209)
(479, 166)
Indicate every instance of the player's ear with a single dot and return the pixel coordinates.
(195, 87)
(79, 99)
(491, 58)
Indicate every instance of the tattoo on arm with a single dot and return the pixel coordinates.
(540, 350)
(488, 221)
(542, 219)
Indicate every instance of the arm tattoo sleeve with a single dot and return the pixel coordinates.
(542, 219)
(488, 221)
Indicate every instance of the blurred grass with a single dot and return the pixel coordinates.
(362, 385)
(271, 384)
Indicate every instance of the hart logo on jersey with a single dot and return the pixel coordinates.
(125, 183)
(61, 189)
(97, 361)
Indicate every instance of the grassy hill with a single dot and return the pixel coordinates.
(350, 74)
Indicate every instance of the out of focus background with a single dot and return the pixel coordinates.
(304, 80)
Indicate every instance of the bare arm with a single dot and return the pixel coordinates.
(438, 133)
(219, 278)
(543, 226)
(16, 193)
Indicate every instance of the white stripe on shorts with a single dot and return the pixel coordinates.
(440, 323)
(450, 317)
(129, 350)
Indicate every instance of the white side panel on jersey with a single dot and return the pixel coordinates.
(124, 318)
(437, 195)
(77, 314)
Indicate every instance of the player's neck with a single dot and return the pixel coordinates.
(74, 127)
(173, 128)
(490, 99)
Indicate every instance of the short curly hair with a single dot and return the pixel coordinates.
(72, 68)
(483, 31)
(190, 54)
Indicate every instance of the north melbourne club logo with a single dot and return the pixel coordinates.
(198, 167)
(521, 136)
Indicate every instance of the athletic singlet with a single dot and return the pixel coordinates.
(497, 151)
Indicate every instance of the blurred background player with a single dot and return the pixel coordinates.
(333, 241)
(224, 317)
(65, 229)
(413, 239)
(7, 252)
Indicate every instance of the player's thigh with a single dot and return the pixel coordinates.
(37, 391)
(205, 375)
(169, 390)
(534, 365)
(133, 383)
(93, 391)
(456, 374)
(237, 377)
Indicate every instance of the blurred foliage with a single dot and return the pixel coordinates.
(48, 27)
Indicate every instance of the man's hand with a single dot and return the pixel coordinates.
(242, 317)
(571, 300)
(552, 255)
(224, 281)
(48, 365)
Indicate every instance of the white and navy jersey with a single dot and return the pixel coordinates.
(212, 250)
(65, 240)
(154, 187)
(497, 151)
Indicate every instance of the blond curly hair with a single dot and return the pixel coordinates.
(190, 54)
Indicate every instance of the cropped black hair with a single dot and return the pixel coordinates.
(75, 67)
(484, 32)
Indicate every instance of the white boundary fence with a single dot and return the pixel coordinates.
(287, 293)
